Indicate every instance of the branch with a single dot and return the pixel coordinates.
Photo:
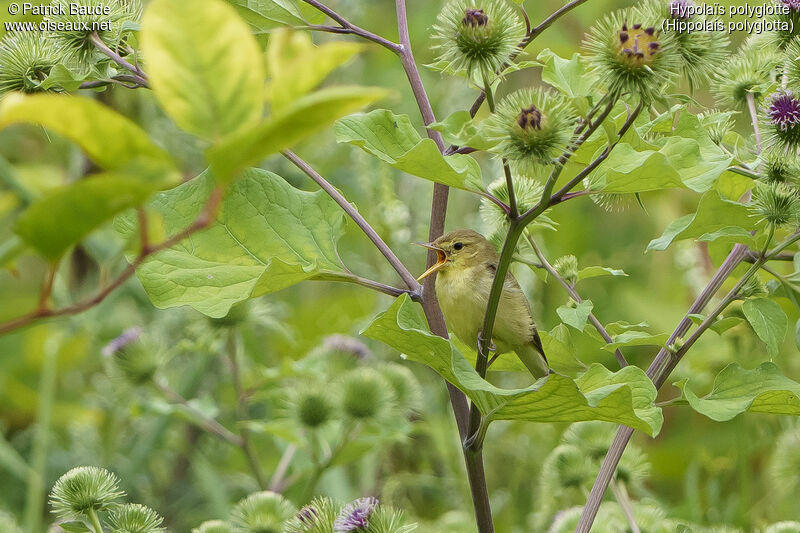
(202, 221)
(751, 107)
(141, 77)
(364, 282)
(347, 27)
(412, 284)
(575, 296)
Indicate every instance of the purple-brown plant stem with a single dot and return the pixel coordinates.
(347, 27)
(141, 78)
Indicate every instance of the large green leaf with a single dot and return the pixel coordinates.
(768, 320)
(576, 316)
(204, 65)
(625, 397)
(636, 338)
(265, 15)
(567, 75)
(296, 65)
(267, 236)
(63, 217)
(703, 163)
(299, 120)
(109, 139)
(627, 171)
(736, 390)
(713, 214)
(460, 129)
(393, 139)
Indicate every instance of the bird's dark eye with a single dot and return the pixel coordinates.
(458, 246)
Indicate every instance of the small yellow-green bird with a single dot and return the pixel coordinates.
(466, 266)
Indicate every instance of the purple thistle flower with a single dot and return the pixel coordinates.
(129, 336)
(679, 9)
(307, 515)
(794, 5)
(355, 516)
(784, 111)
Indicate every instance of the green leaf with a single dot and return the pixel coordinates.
(63, 217)
(576, 316)
(729, 234)
(736, 390)
(636, 338)
(63, 77)
(597, 271)
(109, 139)
(720, 325)
(701, 165)
(768, 320)
(627, 171)
(265, 15)
(461, 129)
(296, 66)
(561, 353)
(392, 138)
(75, 527)
(301, 119)
(713, 214)
(267, 236)
(566, 75)
(204, 65)
(624, 397)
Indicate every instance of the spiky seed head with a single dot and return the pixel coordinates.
(312, 407)
(214, 526)
(136, 360)
(717, 124)
(365, 394)
(784, 26)
(754, 287)
(751, 70)
(70, 25)
(775, 203)
(567, 267)
(532, 128)
(780, 167)
(528, 191)
(316, 517)
(26, 58)
(82, 489)
(781, 121)
(134, 518)
(630, 54)
(476, 36)
(262, 512)
(405, 387)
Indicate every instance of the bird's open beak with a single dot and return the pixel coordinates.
(441, 259)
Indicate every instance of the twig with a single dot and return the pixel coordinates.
(241, 410)
(140, 76)
(360, 221)
(276, 483)
(621, 495)
(208, 424)
(751, 107)
(575, 296)
(202, 221)
(348, 27)
(364, 282)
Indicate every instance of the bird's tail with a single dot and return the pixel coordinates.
(532, 356)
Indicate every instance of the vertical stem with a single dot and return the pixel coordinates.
(241, 408)
(512, 197)
(621, 495)
(95, 520)
(41, 438)
(751, 106)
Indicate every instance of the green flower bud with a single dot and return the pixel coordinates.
(628, 51)
(567, 268)
(26, 58)
(527, 191)
(84, 489)
(568, 467)
(316, 517)
(214, 526)
(785, 26)
(753, 288)
(134, 518)
(404, 385)
(776, 203)
(750, 71)
(476, 36)
(532, 127)
(134, 359)
(262, 512)
(312, 408)
(717, 124)
(780, 167)
(365, 394)
(75, 39)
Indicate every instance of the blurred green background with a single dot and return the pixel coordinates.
(61, 404)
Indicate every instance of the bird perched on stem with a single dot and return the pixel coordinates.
(466, 267)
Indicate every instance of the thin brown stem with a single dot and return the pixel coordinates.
(348, 27)
(144, 234)
(140, 76)
(242, 410)
(346, 277)
(277, 482)
(751, 107)
(360, 221)
(575, 296)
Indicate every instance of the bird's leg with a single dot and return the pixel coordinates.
(482, 342)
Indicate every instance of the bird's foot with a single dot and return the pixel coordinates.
(490, 347)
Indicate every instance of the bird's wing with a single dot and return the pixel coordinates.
(512, 285)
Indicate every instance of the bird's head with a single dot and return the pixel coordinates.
(459, 249)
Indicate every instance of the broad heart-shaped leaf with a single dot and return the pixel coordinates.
(597, 271)
(700, 167)
(109, 139)
(713, 214)
(566, 75)
(762, 390)
(63, 217)
(299, 120)
(576, 316)
(296, 65)
(636, 338)
(625, 397)
(392, 138)
(267, 236)
(460, 129)
(768, 320)
(268, 14)
(627, 171)
(204, 65)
